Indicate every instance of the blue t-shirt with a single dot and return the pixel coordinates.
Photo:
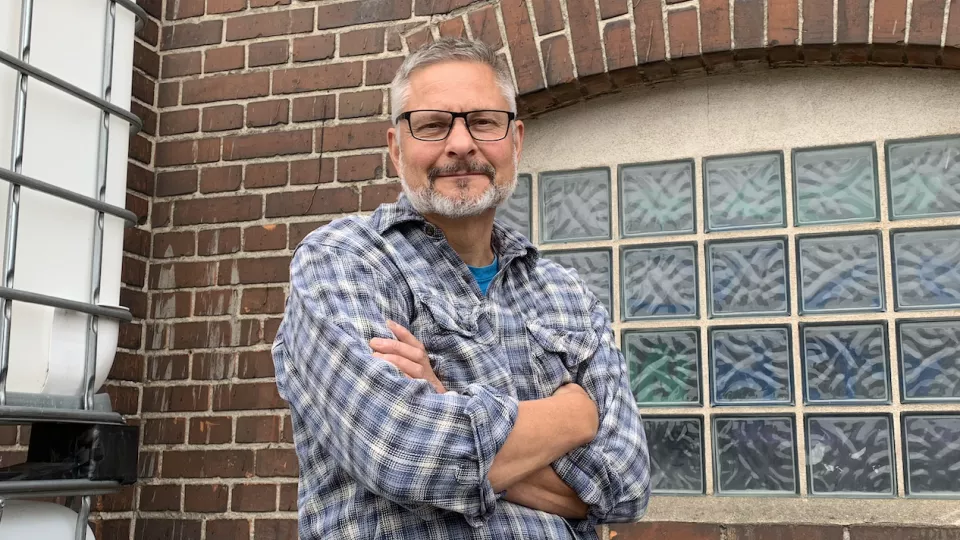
(484, 274)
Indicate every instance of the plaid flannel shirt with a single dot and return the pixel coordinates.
(385, 456)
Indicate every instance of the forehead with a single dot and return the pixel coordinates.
(455, 86)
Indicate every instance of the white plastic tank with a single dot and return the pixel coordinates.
(22, 520)
(55, 242)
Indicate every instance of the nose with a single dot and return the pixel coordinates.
(460, 143)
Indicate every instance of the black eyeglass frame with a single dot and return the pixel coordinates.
(511, 116)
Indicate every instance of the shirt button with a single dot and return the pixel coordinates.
(430, 229)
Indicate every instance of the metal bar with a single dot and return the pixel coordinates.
(67, 195)
(118, 313)
(26, 69)
(138, 11)
(21, 415)
(80, 533)
(28, 489)
(13, 200)
(96, 264)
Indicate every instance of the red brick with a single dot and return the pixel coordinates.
(438, 7)
(217, 210)
(172, 183)
(165, 431)
(267, 144)
(326, 77)
(140, 148)
(150, 32)
(268, 113)
(357, 42)
(182, 64)
(926, 24)
(777, 531)
(219, 179)
(312, 202)
(747, 25)
(156, 336)
(143, 88)
(684, 35)
(311, 48)
(612, 8)
(485, 27)
(262, 175)
(169, 93)
(205, 498)
(214, 302)
(256, 270)
(139, 206)
(358, 168)
(207, 464)
(112, 529)
(178, 36)
(225, 6)
(381, 71)
(123, 399)
(618, 41)
(139, 179)
(310, 109)
(277, 462)
(665, 530)
(275, 529)
(782, 23)
(177, 122)
(247, 396)
(176, 398)
(522, 46)
(222, 118)
(183, 9)
(264, 238)
(166, 529)
(215, 366)
(255, 365)
(173, 244)
(251, 332)
(148, 116)
(226, 87)
(258, 429)
(223, 59)
(270, 53)
(254, 498)
(276, 23)
(270, 329)
(120, 501)
(585, 37)
(650, 47)
(358, 104)
(817, 22)
(268, 3)
(147, 464)
(453, 28)
(311, 171)
(211, 430)
(361, 12)
(160, 498)
(228, 529)
(201, 334)
(288, 497)
(299, 231)
(715, 23)
(352, 136)
(374, 196)
(853, 21)
(128, 366)
(181, 274)
(133, 272)
(419, 39)
(170, 305)
(219, 241)
(953, 35)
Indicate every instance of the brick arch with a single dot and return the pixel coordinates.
(562, 51)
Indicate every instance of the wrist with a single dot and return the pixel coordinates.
(582, 415)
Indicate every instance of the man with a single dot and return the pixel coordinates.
(445, 380)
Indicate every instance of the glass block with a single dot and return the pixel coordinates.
(750, 365)
(933, 455)
(659, 282)
(748, 278)
(927, 268)
(664, 366)
(575, 205)
(754, 455)
(656, 198)
(930, 360)
(840, 273)
(744, 191)
(515, 212)
(835, 185)
(924, 178)
(851, 455)
(676, 454)
(595, 268)
(845, 363)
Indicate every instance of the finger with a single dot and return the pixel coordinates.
(392, 346)
(408, 368)
(404, 335)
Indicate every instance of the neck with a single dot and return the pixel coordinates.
(471, 237)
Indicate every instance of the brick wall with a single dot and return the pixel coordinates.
(266, 119)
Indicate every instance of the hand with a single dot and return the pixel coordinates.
(585, 405)
(408, 354)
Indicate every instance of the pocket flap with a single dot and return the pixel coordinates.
(574, 346)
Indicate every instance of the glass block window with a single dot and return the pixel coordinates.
(517, 212)
(791, 327)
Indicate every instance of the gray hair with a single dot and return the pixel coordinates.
(445, 50)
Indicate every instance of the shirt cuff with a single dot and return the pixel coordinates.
(585, 471)
(492, 417)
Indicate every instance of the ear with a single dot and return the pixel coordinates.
(518, 140)
(393, 144)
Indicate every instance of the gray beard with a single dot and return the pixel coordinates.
(427, 200)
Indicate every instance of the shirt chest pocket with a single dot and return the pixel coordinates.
(558, 352)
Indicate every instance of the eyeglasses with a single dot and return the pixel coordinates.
(430, 125)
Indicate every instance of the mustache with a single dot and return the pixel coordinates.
(462, 166)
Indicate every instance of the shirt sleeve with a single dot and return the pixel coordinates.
(395, 436)
(611, 474)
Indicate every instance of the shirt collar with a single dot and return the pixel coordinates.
(507, 244)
